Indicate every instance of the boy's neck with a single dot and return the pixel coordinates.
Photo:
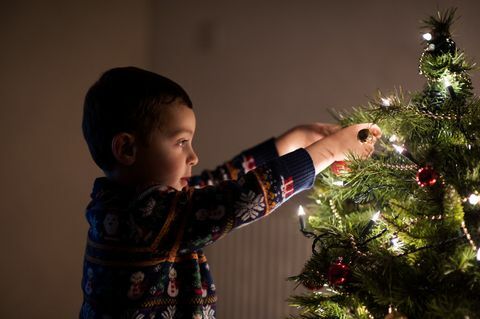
(128, 180)
(121, 178)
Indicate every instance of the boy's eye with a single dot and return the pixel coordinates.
(182, 142)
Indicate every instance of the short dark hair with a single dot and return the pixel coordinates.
(125, 99)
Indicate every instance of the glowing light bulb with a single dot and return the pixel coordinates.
(396, 243)
(474, 199)
(398, 148)
(478, 254)
(301, 217)
(386, 101)
(301, 211)
(393, 138)
(338, 183)
(449, 87)
(370, 224)
(446, 82)
(376, 216)
(427, 36)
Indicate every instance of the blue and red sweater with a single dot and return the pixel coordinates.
(143, 257)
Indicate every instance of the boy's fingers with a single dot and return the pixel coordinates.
(376, 131)
(368, 150)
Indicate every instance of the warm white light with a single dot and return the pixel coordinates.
(386, 101)
(376, 216)
(301, 211)
(474, 199)
(326, 290)
(393, 138)
(301, 218)
(396, 243)
(478, 254)
(398, 148)
(446, 82)
(427, 36)
(338, 183)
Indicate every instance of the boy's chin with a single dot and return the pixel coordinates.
(179, 186)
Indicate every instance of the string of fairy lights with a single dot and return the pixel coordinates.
(433, 177)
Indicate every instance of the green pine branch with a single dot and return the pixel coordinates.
(418, 256)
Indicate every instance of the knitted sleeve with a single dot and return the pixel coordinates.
(187, 220)
(238, 165)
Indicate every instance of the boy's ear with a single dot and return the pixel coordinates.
(124, 148)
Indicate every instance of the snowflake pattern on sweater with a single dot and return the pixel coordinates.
(250, 205)
(144, 254)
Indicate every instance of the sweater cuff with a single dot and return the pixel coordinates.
(297, 166)
(263, 152)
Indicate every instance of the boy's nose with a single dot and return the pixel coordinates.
(193, 159)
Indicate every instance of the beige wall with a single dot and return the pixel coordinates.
(253, 70)
(50, 53)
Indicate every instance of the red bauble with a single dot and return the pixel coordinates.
(338, 273)
(339, 167)
(426, 176)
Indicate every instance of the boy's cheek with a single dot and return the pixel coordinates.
(167, 171)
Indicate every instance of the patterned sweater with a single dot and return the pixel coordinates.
(143, 257)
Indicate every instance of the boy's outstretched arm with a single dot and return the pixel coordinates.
(238, 165)
(187, 220)
(297, 137)
(302, 136)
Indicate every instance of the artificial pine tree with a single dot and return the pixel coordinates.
(397, 235)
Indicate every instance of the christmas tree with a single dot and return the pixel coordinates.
(397, 235)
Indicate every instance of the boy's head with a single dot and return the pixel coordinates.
(139, 127)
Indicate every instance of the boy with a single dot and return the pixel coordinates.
(149, 218)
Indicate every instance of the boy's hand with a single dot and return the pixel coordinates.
(303, 136)
(337, 146)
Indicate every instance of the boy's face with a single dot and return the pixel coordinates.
(169, 158)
